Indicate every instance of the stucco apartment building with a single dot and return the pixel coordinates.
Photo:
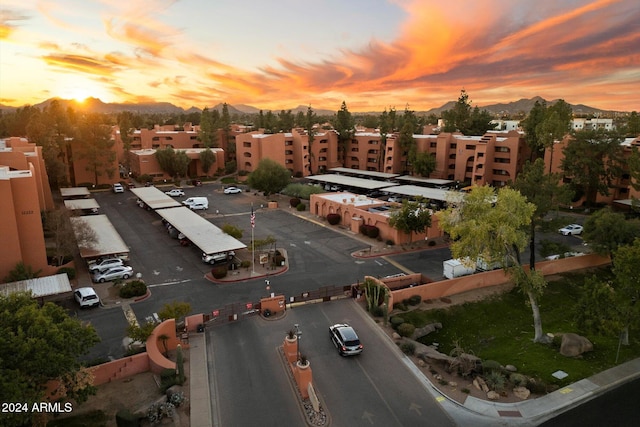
(25, 192)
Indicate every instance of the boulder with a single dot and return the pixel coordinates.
(480, 384)
(426, 330)
(511, 368)
(521, 393)
(573, 345)
(492, 395)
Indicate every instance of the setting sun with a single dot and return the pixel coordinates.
(79, 89)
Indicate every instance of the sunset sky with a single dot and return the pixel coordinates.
(373, 54)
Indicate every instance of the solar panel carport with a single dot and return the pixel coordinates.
(206, 236)
(154, 198)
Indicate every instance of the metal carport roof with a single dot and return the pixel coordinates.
(358, 172)
(155, 198)
(74, 204)
(426, 192)
(40, 287)
(350, 181)
(108, 241)
(209, 238)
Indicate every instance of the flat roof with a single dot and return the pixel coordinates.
(426, 192)
(75, 192)
(374, 174)
(40, 286)
(155, 198)
(81, 204)
(108, 241)
(430, 181)
(209, 238)
(357, 200)
(350, 181)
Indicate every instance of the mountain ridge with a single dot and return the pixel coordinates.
(523, 105)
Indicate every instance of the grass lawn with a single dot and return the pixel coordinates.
(501, 329)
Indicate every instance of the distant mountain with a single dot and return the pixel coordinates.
(97, 106)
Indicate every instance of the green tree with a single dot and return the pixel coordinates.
(174, 162)
(209, 125)
(97, 146)
(492, 226)
(627, 284)
(126, 127)
(285, 121)
(269, 176)
(140, 333)
(21, 272)
(530, 126)
(175, 310)
(593, 160)
(310, 120)
(386, 121)
(207, 159)
(424, 163)
(38, 344)
(344, 125)
(479, 122)
(232, 231)
(410, 218)
(633, 125)
(225, 123)
(606, 231)
(405, 138)
(597, 308)
(544, 192)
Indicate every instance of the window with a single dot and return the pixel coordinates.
(246, 154)
(433, 144)
(453, 146)
(246, 144)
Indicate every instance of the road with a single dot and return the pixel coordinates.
(372, 389)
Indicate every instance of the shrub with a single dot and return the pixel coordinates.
(415, 299)
(278, 259)
(408, 348)
(518, 380)
(490, 365)
(396, 321)
(495, 380)
(536, 386)
(219, 272)
(245, 264)
(71, 272)
(373, 231)
(400, 306)
(294, 202)
(406, 329)
(301, 207)
(243, 173)
(168, 378)
(230, 167)
(333, 218)
(465, 390)
(377, 311)
(134, 288)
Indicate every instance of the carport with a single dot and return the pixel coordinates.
(206, 236)
(108, 241)
(50, 288)
(154, 199)
(351, 182)
(82, 205)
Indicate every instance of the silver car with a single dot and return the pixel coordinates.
(121, 272)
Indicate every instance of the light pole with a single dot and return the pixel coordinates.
(298, 335)
(267, 284)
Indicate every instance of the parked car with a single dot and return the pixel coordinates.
(198, 207)
(121, 272)
(196, 182)
(118, 188)
(345, 339)
(232, 190)
(176, 192)
(86, 297)
(103, 264)
(571, 229)
(218, 257)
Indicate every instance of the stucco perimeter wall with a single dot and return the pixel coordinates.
(463, 284)
(155, 347)
(120, 368)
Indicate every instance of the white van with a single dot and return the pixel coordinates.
(202, 202)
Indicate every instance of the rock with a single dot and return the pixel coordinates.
(481, 385)
(453, 384)
(422, 363)
(492, 395)
(573, 345)
(476, 384)
(521, 392)
(396, 336)
(420, 332)
(511, 368)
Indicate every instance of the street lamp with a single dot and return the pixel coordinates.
(298, 335)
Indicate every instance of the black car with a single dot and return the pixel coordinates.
(345, 339)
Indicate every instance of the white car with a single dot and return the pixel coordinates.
(103, 264)
(197, 207)
(86, 297)
(176, 192)
(122, 272)
(571, 230)
(232, 190)
(118, 188)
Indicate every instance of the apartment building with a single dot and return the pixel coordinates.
(25, 193)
